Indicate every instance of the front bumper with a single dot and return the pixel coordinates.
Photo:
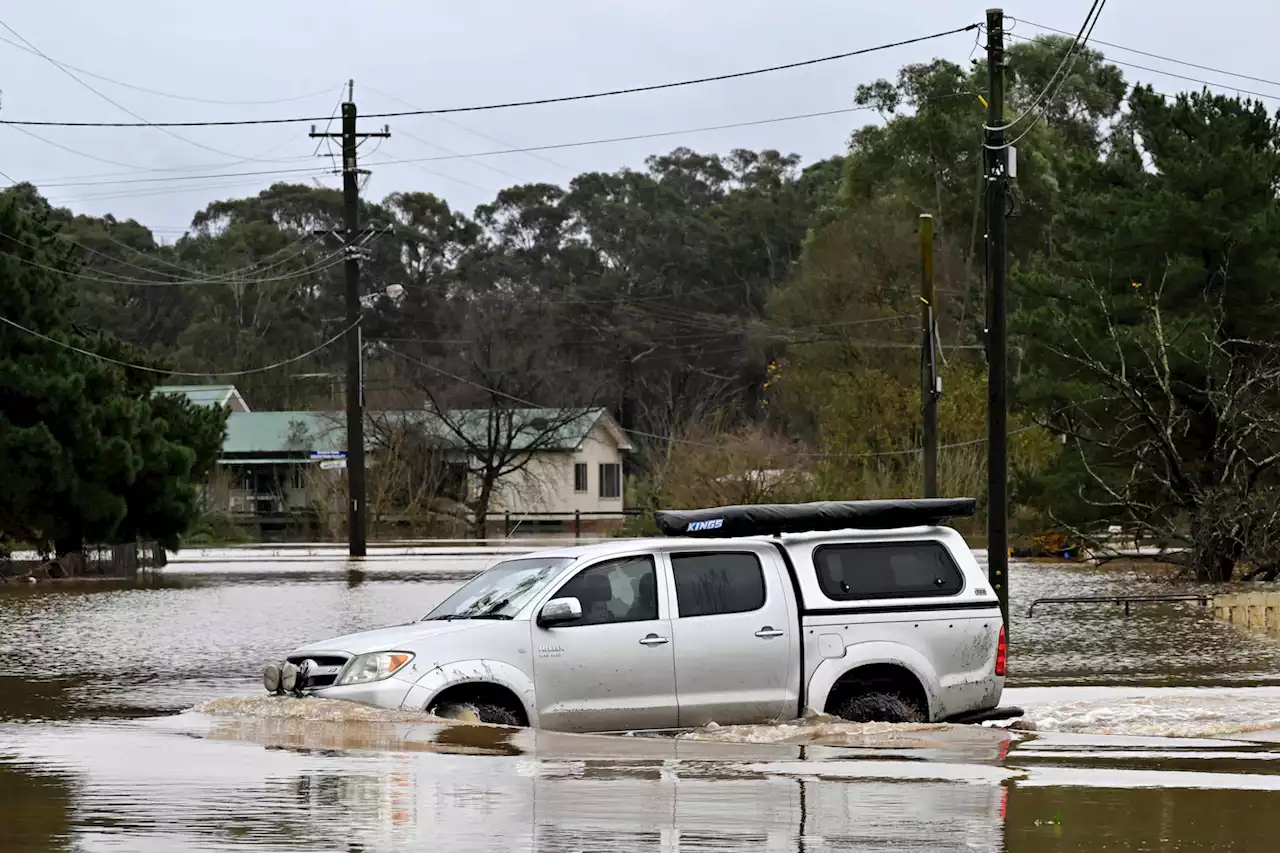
(389, 693)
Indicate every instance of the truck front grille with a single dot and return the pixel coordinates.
(332, 663)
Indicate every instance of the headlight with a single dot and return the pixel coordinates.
(373, 667)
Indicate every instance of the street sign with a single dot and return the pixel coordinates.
(332, 464)
(328, 454)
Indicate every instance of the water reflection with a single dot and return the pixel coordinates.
(78, 770)
(292, 785)
(1074, 820)
(36, 814)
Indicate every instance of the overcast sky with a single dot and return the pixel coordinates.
(432, 54)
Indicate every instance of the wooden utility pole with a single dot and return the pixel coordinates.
(357, 536)
(997, 186)
(930, 382)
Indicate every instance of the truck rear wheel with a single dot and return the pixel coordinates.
(878, 707)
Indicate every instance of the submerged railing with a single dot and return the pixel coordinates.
(1126, 600)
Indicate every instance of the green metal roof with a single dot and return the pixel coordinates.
(302, 432)
(284, 432)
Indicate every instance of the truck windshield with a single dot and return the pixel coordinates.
(501, 591)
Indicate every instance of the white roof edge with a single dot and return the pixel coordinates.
(620, 436)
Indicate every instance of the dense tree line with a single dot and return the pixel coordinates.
(744, 306)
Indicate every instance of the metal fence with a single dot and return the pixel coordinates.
(124, 560)
(511, 522)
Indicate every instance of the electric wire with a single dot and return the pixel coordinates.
(165, 372)
(323, 264)
(463, 127)
(510, 104)
(313, 171)
(1175, 75)
(192, 98)
(669, 438)
(1068, 55)
(1160, 57)
(163, 128)
(1061, 83)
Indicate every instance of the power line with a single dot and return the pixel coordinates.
(515, 399)
(1160, 57)
(465, 128)
(325, 263)
(1074, 53)
(510, 104)
(1072, 50)
(161, 94)
(438, 147)
(1207, 83)
(133, 168)
(152, 193)
(640, 136)
(163, 372)
(312, 171)
(309, 170)
(230, 276)
(144, 122)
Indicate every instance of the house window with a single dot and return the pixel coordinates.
(610, 481)
(580, 477)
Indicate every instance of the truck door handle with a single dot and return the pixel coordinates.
(768, 632)
(654, 640)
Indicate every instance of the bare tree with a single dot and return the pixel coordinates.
(407, 474)
(709, 465)
(1180, 437)
(502, 397)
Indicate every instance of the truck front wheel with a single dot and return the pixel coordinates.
(478, 712)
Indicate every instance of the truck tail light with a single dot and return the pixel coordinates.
(1002, 654)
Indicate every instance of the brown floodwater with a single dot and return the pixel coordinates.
(132, 718)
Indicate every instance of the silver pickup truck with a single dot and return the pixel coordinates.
(867, 610)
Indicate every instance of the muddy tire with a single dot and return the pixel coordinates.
(481, 712)
(878, 707)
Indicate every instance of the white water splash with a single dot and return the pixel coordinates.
(315, 710)
(819, 730)
(1163, 713)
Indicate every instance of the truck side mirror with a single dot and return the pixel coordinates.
(558, 611)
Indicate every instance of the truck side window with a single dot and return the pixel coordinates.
(886, 570)
(718, 583)
(624, 590)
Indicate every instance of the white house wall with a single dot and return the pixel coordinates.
(545, 485)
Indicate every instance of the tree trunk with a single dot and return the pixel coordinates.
(1217, 546)
(69, 558)
(480, 509)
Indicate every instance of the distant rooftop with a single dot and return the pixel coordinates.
(225, 396)
(301, 432)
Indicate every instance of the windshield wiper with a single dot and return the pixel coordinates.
(490, 613)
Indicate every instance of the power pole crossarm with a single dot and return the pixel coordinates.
(357, 534)
(997, 189)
